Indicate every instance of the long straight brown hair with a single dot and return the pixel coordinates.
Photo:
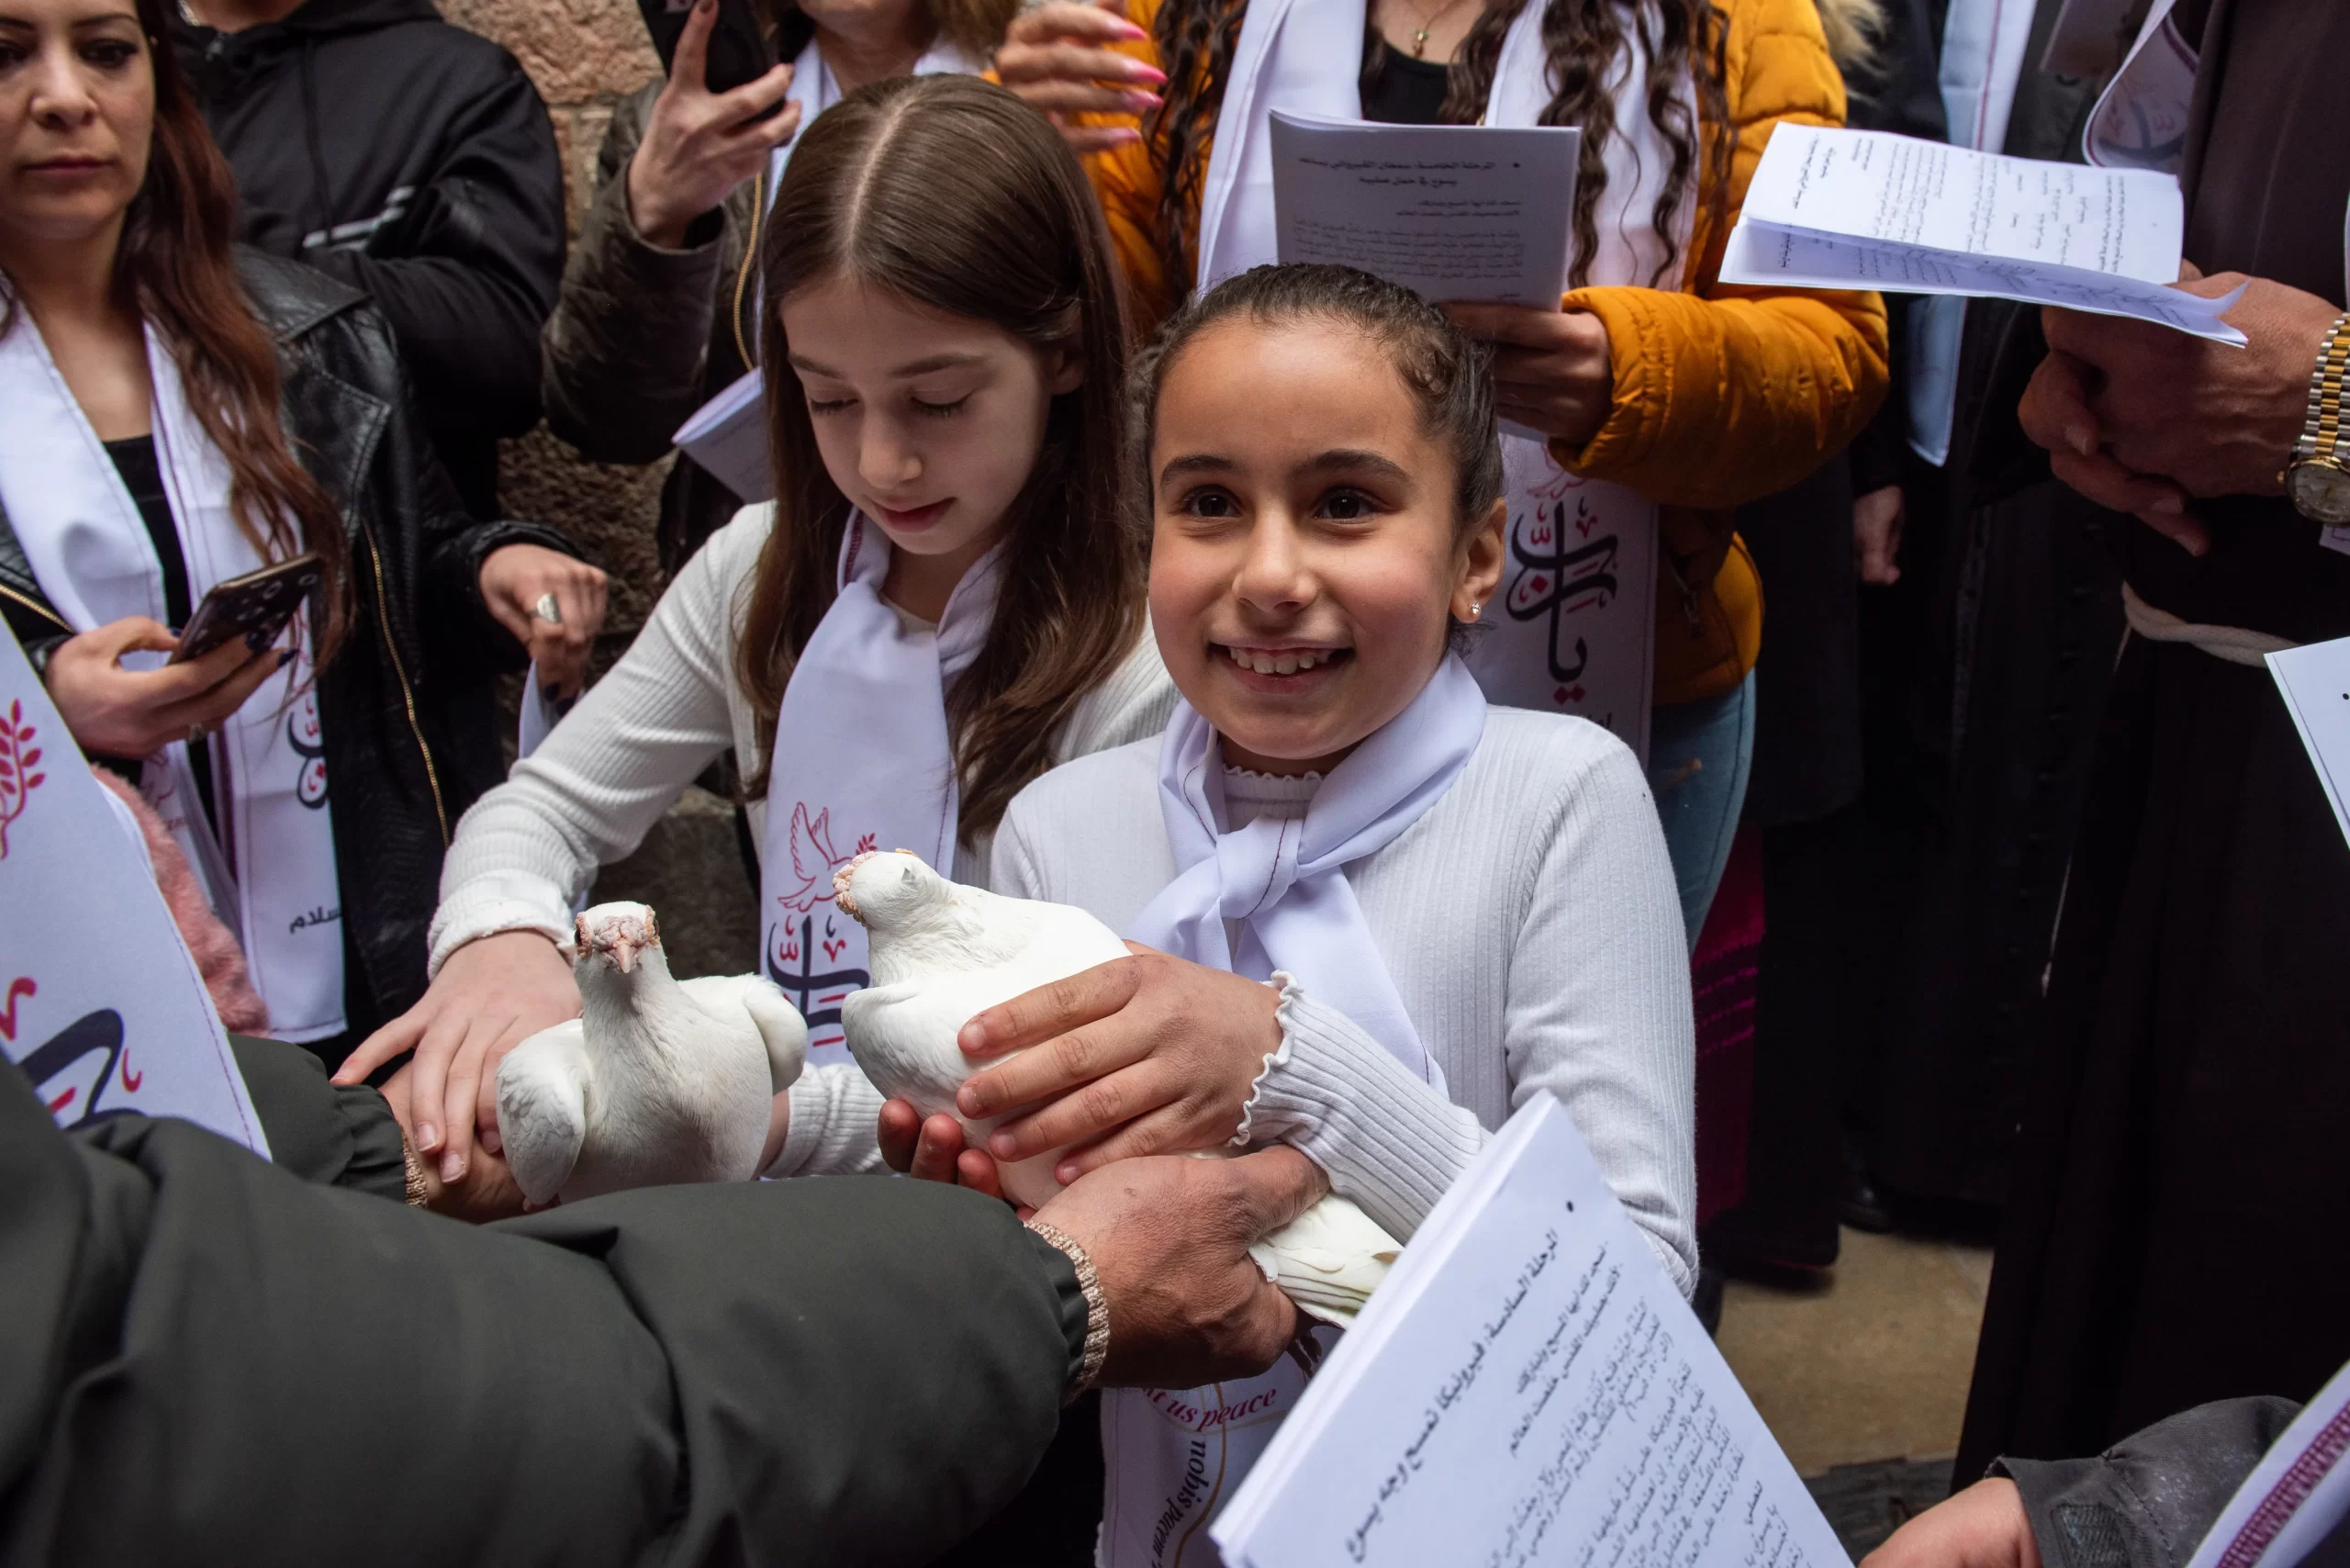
(1581, 39)
(955, 194)
(174, 267)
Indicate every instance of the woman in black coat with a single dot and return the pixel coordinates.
(181, 412)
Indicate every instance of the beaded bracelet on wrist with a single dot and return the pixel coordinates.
(1097, 1306)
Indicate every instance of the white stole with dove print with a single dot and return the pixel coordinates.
(862, 760)
(269, 868)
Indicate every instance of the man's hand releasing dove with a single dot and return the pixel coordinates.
(942, 953)
(658, 1080)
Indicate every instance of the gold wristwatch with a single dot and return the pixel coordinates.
(2317, 479)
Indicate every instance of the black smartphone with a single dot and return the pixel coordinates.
(739, 50)
(255, 607)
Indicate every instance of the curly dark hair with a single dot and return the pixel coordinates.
(1196, 39)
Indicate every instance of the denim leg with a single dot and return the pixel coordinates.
(1698, 756)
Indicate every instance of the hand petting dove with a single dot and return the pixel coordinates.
(658, 1080)
(942, 953)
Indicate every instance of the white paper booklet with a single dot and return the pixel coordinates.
(100, 1004)
(728, 435)
(2296, 1494)
(1527, 1387)
(2315, 682)
(1449, 211)
(1832, 208)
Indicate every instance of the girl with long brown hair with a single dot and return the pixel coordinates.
(1644, 408)
(177, 414)
(940, 603)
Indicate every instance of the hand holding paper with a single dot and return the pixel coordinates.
(1831, 208)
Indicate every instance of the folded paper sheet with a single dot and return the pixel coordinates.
(1527, 1387)
(1832, 208)
(728, 436)
(1448, 211)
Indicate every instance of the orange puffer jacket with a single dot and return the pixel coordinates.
(1723, 394)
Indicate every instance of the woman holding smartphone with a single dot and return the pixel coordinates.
(159, 387)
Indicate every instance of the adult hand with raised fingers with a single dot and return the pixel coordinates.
(1552, 369)
(114, 712)
(1983, 1527)
(1144, 1055)
(1169, 1239)
(699, 145)
(492, 994)
(521, 583)
(935, 1149)
(1062, 60)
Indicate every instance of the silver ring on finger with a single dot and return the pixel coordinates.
(548, 610)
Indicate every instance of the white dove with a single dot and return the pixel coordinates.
(942, 952)
(657, 1081)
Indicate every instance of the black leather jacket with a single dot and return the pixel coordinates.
(409, 709)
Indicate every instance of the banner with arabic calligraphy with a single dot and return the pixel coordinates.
(1575, 628)
(101, 1005)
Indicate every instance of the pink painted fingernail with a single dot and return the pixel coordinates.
(1138, 71)
(1131, 33)
(1141, 102)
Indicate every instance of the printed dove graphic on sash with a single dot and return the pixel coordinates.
(1573, 628)
(269, 869)
(861, 761)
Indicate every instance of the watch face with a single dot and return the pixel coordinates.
(2319, 492)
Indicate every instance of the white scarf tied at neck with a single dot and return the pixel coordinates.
(862, 760)
(269, 869)
(1284, 881)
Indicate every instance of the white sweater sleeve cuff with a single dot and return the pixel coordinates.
(835, 1117)
(495, 902)
(1389, 1141)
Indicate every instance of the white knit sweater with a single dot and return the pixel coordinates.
(1530, 922)
(529, 848)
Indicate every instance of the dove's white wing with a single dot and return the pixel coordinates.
(781, 1027)
(542, 1086)
(1328, 1259)
(903, 1037)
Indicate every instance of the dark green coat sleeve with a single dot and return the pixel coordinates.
(206, 1360)
(334, 1135)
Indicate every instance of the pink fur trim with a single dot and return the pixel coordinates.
(214, 947)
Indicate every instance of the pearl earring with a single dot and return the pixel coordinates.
(1474, 608)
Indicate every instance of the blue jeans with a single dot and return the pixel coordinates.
(1698, 756)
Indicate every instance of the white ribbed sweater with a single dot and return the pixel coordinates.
(1531, 926)
(597, 785)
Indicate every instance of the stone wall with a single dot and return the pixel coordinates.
(587, 56)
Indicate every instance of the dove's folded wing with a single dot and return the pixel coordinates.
(542, 1088)
(1328, 1259)
(903, 1036)
(730, 998)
